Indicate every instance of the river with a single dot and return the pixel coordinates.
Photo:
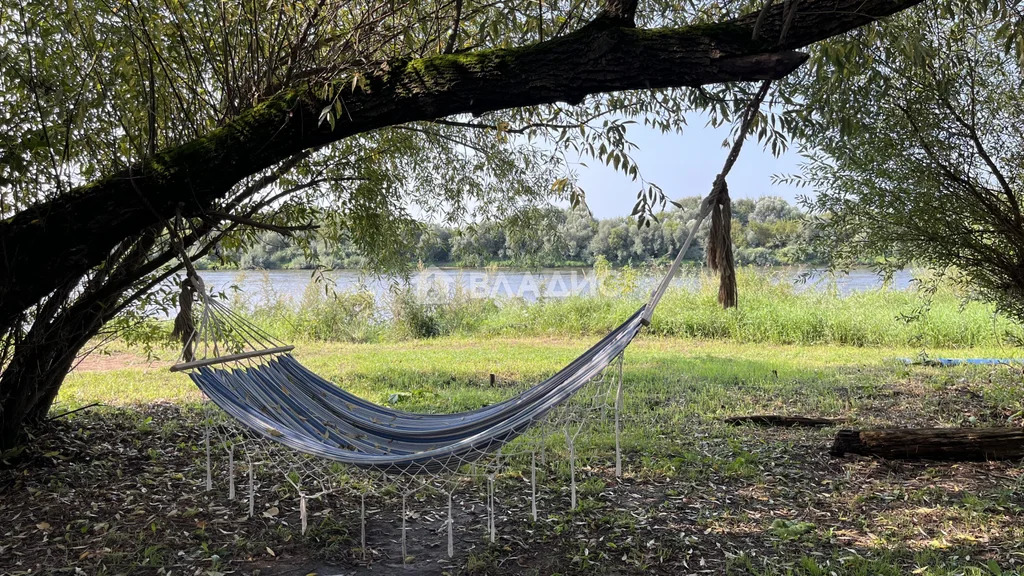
(271, 285)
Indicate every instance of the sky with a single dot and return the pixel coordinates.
(686, 165)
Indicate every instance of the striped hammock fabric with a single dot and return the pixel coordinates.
(277, 397)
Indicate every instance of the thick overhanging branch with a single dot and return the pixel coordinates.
(44, 246)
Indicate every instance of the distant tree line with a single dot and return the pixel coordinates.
(765, 232)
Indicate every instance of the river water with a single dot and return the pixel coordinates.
(272, 285)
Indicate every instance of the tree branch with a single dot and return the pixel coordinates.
(214, 217)
(972, 134)
(453, 37)
(36, 254)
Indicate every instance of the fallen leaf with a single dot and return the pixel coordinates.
(270, 513)
(271, 552)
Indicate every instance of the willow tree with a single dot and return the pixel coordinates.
(128, 124)
(916, 145)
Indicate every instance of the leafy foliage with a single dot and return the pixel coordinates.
(915, 146)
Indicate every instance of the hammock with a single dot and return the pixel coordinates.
(255, 379)
(269, 392)
(275, 396)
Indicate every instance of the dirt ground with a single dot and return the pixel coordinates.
(120, 491)
(102, 362)
(96, 497)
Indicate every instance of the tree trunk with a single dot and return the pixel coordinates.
(38, 256)
(60, 329)
(29, 384)
(933, 443)
(67, 322)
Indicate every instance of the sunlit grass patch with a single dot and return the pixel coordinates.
(708, 378)
(127, 387)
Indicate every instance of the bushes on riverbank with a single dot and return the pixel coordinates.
(765, 232)
(771, 310)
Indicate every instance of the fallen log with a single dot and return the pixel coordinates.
(974, 444)
(777, 420)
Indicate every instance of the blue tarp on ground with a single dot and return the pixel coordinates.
(963, 361)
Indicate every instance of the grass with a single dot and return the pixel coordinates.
(771, 310)
(461, 366)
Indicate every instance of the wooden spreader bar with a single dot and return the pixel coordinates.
(230, 358)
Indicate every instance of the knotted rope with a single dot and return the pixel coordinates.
(184, 322)
(719, 257)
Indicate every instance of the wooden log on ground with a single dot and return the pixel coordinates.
(974, 444)
(778, 420)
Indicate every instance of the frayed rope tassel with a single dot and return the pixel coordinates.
(720, 257)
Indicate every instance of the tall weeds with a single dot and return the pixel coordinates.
(771, 310)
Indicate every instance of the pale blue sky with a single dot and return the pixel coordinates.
(686, 165)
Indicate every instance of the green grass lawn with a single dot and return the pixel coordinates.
(710, 374)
